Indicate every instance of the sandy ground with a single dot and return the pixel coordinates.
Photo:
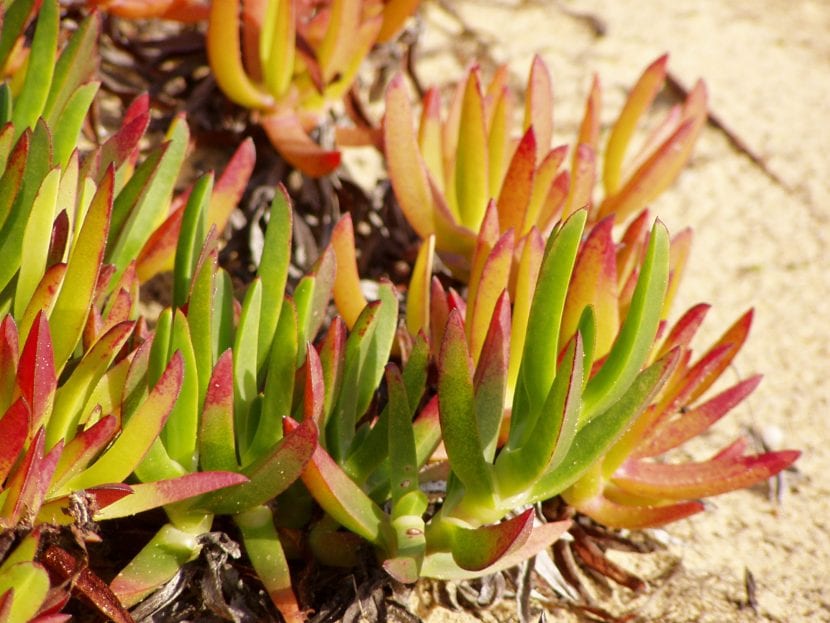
(759, 242)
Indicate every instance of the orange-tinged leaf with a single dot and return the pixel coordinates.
(734, 338)
(495, 279)
(539, 106)
(162, 492)
(471, 162)
(395, 13)
(615, 515)
(429, 134)
(488, 237)
(527, 273)
(517, 189)
(681, 246)
(554, 203)
(286, 133)
(339, 495)
(589, 129)
(407, 170)
(231, 184)
(43, 298)
(653, 176)
(347, 293)
(84, 447)
(69, 314)
(499, 141)
(335, 50)
(695, 480)
(159, 252)
(543, 179)
(594, 283)
(638, 101)
(224, 54)
(137, 435)
(418, 299)
(490, 378)
(314, 392)
(583, 173)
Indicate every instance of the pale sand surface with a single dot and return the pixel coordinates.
(758, 243)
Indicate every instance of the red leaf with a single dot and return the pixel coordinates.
(149, 495)
(695, 480)
(477, 549)
(518, 184)
(14, 430)
(286, 133)
(231, 184)
(8, 360)
(614, 515)
(84, 447)
(36, 372)
(157, 254)
(673, 432)
(314, 388)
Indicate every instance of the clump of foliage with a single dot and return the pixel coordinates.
(547, 369)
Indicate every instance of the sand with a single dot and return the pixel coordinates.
(760, 237)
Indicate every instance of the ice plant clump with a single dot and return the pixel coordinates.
(294, 60)
(446, 170)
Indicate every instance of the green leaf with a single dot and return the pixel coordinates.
(538, 367)
(41, 65)
(273, 270)
(312, 297)
(68, 126)
(191, 234)
(268, 476)
(16, 15)
(279, 383)
(72, 69)
(159, 560)
(340, 427)
(180, 432)
(517, 469)
(217, 448)
(637, 334)
(6, 108)
(456, 406)
(202, 310)
(35, 243)
(37, 165)
(262, 544)
(595, 438)
(30, 585)
(136, 220)
(403, 468)
(137, 435)
(75, 391)
(244, 366)
(71, 309)
(339, 496)
(380, 347)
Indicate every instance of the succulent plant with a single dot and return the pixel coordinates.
(294, 61)
(448, 169)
